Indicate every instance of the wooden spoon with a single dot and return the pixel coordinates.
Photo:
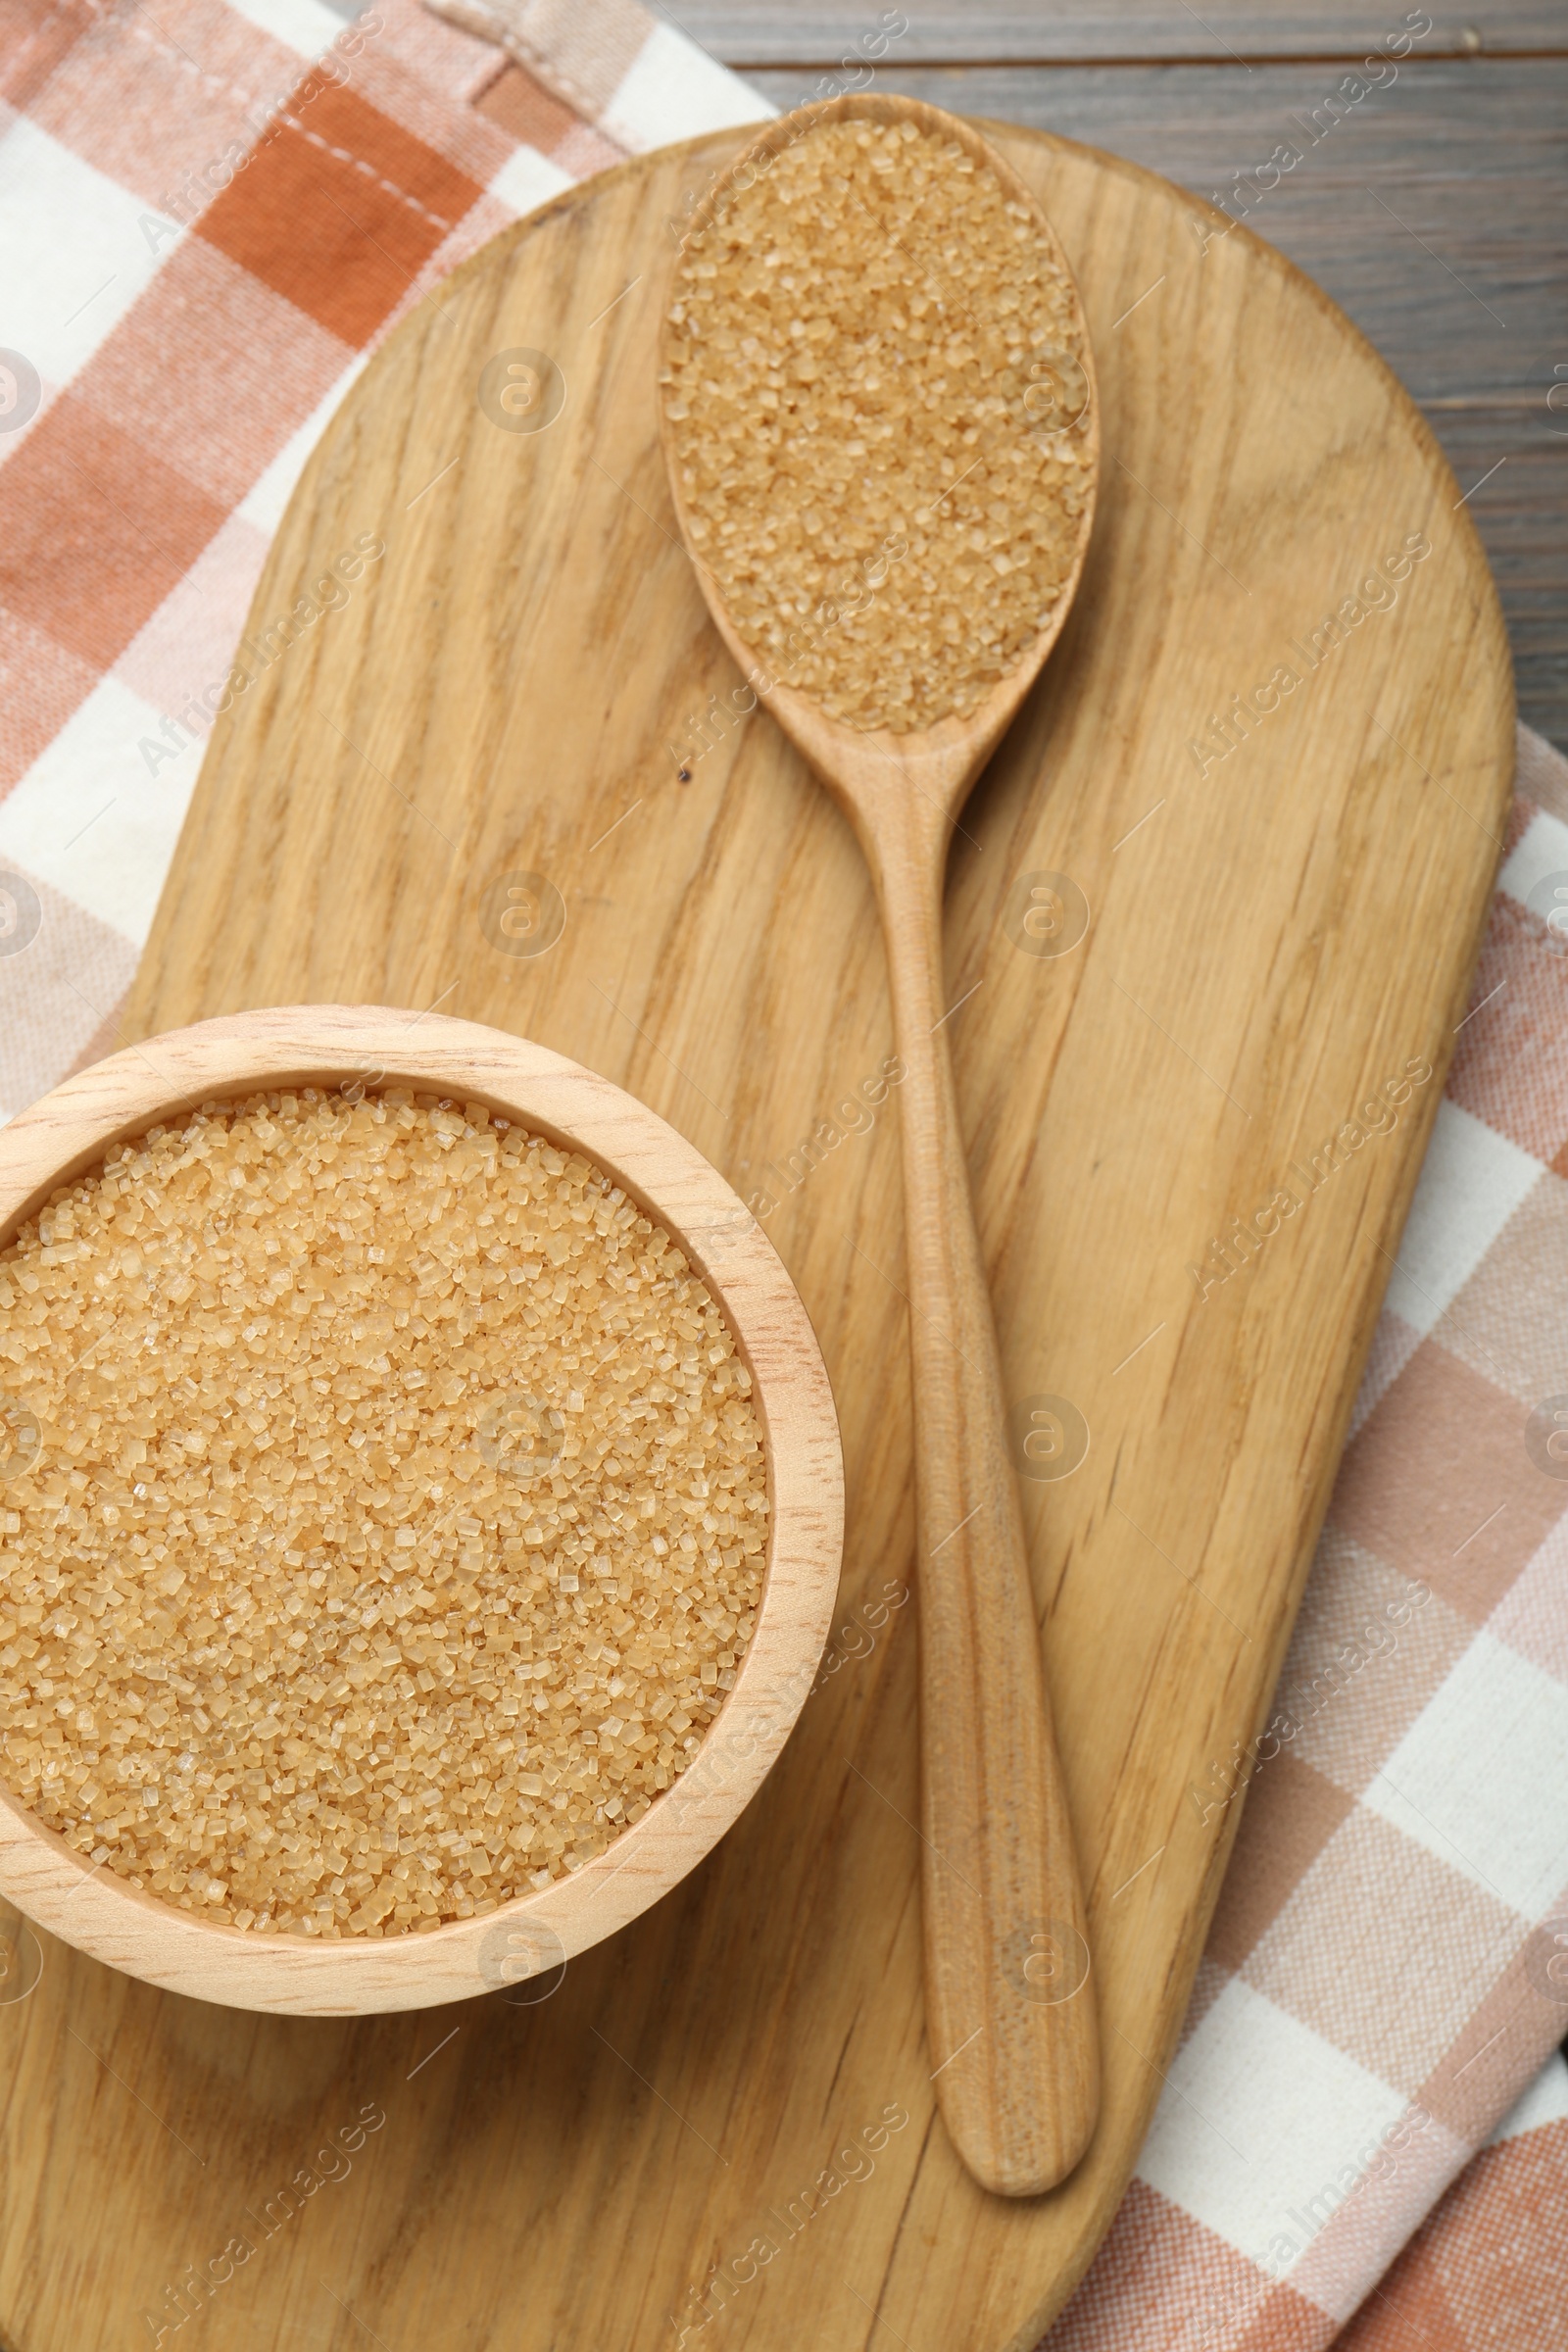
(1010, 2015)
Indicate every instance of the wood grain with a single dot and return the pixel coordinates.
(1001, 1904)
(1268, 942)
(70, 1128)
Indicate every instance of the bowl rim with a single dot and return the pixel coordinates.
(70, 1129)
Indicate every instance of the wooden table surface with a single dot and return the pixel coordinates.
(1434, 208)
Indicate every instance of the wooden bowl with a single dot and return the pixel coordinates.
(336, 1044)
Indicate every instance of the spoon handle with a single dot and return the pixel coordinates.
(1009, 2006)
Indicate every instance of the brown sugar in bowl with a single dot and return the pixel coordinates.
(348, 1049)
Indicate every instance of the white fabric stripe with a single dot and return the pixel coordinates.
(1480, 1777)
(1260, 2121)
(1471, 1183)
(674, 90)
(77, 250)
(90, 817)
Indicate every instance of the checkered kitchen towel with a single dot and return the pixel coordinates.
(210, 213)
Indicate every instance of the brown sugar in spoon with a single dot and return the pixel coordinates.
(752, 378)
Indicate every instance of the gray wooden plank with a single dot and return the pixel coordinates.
(818, 34)
(1435, 211)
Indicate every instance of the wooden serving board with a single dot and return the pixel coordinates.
(704, 2119)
